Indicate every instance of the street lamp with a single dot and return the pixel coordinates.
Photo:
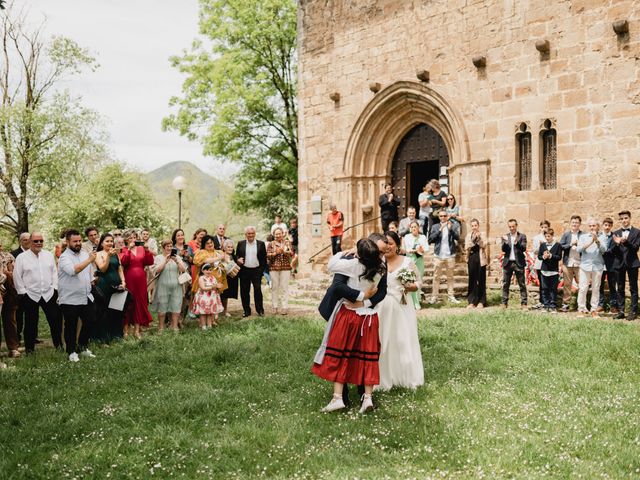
(178, 184)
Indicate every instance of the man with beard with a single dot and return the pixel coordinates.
(74, 295)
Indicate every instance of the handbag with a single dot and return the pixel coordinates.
(231, 268)
(184, 278)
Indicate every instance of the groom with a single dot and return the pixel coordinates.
(340, 290)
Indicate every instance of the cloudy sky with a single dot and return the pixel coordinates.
(132, 41)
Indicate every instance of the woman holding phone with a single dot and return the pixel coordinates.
(168, 291)
(134, 257)
(110, 280)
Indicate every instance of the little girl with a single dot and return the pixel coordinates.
(207, 303)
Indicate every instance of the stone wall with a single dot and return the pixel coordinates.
(588, 84)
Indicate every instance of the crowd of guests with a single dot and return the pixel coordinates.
(103, 287)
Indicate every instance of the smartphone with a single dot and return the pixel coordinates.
(139, 243)
(174, 252)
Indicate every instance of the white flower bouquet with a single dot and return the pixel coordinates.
(405, 277)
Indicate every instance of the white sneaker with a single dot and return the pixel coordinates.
(87, 353)
(432, 300)
(336, 403)
(367, 404)
(453, 299)
(74, 357)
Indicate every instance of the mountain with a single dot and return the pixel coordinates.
(205, 200)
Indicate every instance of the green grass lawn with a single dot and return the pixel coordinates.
(508, 395)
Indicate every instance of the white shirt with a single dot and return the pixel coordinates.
(574, 256)
(625, 233)
(251, 255)
(445, 251)
(512, 253)
(352, 268)
(537, 240)
(74, 288)
(426, 210)
(36, 275)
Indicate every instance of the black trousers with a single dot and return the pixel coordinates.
(249, 277)
(71, 314)
(508, 271)
(477, 288)
(20, 323)
(51, 311)
(336, 244)
(549, 291)
(612, 282)
(632, 273)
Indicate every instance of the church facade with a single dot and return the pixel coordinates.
(526, 110)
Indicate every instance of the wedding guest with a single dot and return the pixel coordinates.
(278, 223)
(550, 254)
(400, 358)
(591, 246)
(570, 260)
(453, 210)
(415, 245)
(134, 258)
(232, 269)
(25, 244)
(61, 245)
(609, 275)
(209, 254)
(178, 239)
(293, 238)
(425, 208)
(444, 238)
(35, 277)
(194, 246)
(537, 240)
(514, 246)
(110, 280)
(437, 202)
(405, 223)
(476, 251)
(626, 242)
(169, 292)
(219, 237)
(206, 301)
(393, 227)
(93, 237)
(279, 255)
(252, 258)
(335, 222)
(151, 242)
(74, 296)
(9, 304)
(388, 207)
(352, 330)
(267, 273)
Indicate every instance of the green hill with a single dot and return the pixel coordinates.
(206, 200)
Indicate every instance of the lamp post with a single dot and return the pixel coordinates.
(178, 184)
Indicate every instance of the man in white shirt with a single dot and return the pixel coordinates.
(36, 280)
(252, 258)
(445, 239)
(279, 224)
(93, 238)
(570, 259)
(74, 295)
(537, 264)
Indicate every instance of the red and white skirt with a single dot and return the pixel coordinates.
(353, 350)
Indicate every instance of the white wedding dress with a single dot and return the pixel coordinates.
(400, 358)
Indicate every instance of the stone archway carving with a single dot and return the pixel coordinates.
(383, 123)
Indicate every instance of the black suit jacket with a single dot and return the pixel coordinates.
(608, 255)
(262, 254)
(519, 247)
(625, 255)
(216, 243)
(339, 289)
(550, 264)
(16, 252)
(388, 209)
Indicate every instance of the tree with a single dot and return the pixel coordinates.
(239, 98)
(111, 198)
(48, 141)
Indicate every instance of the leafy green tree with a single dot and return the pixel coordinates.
(112, 198)
(48, 141)
(239, 98)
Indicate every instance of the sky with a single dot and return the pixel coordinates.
(132, 41)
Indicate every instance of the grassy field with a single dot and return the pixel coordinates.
(508, 395)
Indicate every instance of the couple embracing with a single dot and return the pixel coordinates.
(371, 336)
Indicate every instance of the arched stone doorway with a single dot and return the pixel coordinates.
(420, 156)
(376, 136)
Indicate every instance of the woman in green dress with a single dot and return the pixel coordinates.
(415, 246)
(110, 279)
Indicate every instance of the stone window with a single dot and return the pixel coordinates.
(549, 156)
(523, 157)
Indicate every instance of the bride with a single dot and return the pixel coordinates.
(400, 358)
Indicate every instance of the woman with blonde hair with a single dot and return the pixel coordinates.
(475, 248)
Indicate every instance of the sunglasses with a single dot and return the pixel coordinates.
(37, 241)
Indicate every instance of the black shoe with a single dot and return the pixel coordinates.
(246, 314)
(261, 314)
(37, 341)
(619, 316)
(632, 317)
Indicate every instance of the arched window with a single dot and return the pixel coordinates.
(523, 157)
(548, 142)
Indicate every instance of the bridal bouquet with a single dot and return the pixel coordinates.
(406, 276)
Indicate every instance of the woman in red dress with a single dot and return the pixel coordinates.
(134, 257)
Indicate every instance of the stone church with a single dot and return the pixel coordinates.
(523, 109)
